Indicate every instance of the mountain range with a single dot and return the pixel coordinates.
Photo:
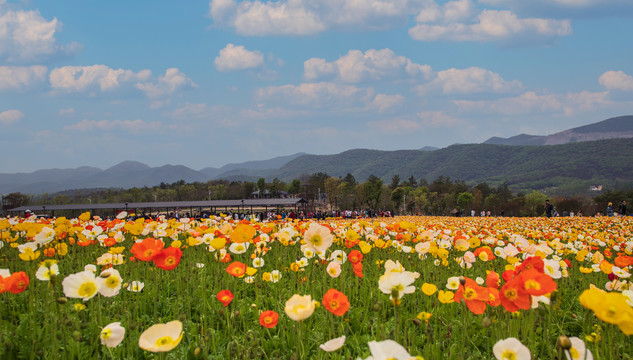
(601, 151)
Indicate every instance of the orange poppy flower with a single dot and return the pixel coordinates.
(225, 297)
(17, 282)
(623, 261)
(492, 280)
(236, 269)
(474, 296)
(336, 302)
(536, 283)
(147, 249)
(355, 256)
(513, 297)
(358, 269)
(168, 258)
(268, 319)
(484, 253)
(532, 262)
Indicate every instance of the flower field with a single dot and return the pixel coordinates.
(404, 287)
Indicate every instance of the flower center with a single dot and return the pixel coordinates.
(164, 341)
(106, 333)
(470, 294)
(87, 289)
(511, 294)
(509, 355)
(532, 284)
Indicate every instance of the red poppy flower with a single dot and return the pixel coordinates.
(536, 283)
(492, 280)
(225, 297)
(358, 269)
(474, 296)
(513, 297)
(147, 249)
(336, 302)
(268, 319)
(236, 269)
(17, 282)
(355, 256)
(168, 259)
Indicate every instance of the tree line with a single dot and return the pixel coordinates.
(442, 196)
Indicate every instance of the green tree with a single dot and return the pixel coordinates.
(261, 184)
(397, 197)
(372, 189)
(295, 186)
(534, 204)
(464, 199)
(332, 185)
(395, 182)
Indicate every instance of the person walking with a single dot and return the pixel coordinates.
(549, 209)
(622, 208)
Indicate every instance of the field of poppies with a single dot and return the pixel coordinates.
(401, 288)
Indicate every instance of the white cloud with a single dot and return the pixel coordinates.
(357, 66)
(10, 116)
(437, 119)
(616, 80)
(21, 77)
(190, 111)
(67, 112)
(135, 126)
(469, 81)
(306, 17)
(567, 8)
(238, 58)
(531, 102)
(318, 95)
(82, 78)
(384, 102)
(487, 26)
(25, 36)
(173, 80)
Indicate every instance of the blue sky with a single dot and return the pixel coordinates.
(206, 83)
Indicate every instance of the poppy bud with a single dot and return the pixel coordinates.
(62, 300)
(197, 351)
(462, 280)
(563, 342)
(486, 322)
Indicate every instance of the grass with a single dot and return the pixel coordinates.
(41, 323)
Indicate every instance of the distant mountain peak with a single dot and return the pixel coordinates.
(612, 128)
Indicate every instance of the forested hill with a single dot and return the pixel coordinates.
(521, 166)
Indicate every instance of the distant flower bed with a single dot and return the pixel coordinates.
(403, 288)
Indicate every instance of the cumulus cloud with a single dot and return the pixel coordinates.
(21, 77)
(173, 80)
(437, 119)
(357, 66)
(457, 21)
(238, 58)
(567, 8)
(136, 126)
(616, 80)
(317, 95)
(25, 36)
(531, 102)
(10, 116)
(307, 17)
(384, 102)
(468, 81)
(67, 112)
(82, 78)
